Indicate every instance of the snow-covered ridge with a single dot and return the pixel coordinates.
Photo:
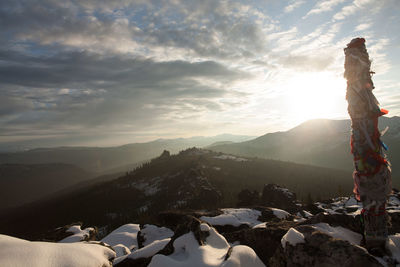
(251, 236)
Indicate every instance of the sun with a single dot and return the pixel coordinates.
(314, 95)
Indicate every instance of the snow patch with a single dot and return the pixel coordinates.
(188, 252)
(150, 249)
(125, 235)
(339, 232)
(78, 234)
(293, 237)
(393, 244)
(260, 225)
(242, 256)
(149, 187)
(281, 214)
(204, 227)
(235, 217)
(19, 252)
(152, 233)
(230, 157)
(121, 250)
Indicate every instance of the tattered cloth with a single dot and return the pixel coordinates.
(372, 175)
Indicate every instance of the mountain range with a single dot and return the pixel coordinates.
(318, 142)
(321, 142)
(192, 179)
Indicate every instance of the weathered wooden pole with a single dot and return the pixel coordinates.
(372, 174)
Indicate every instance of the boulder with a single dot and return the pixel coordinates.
(264, 240)
(310, 247)
(278, 197)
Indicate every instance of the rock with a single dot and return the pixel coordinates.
(165, 154)
(347, 221)
(263, 241)
(320, 249)
(248, 198)
(314, 209)
(273, 215)
(278, 197)
(187, 224)
(63, 232)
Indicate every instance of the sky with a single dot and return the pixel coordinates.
(102, 73)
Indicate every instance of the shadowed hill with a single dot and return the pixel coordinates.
(23, 183)
(317, 142)
(194, 178)
(103, 160)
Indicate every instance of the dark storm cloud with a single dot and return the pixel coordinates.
(81, 88)
(96, 70)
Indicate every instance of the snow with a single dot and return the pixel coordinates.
(235, 217)
(230, 157)
(121, 250)
(281, 214)
(260, 225)
(150, 249)
(188, 252)
(393, 244)
(339, 232)
(293, 237)
(284, 190)
(78, 234)
(149, 187)
(242, 256)
(125, 235)
(394, 201)
(204, 227)
(307, 214)
(152, 233)
(18, 252)
(351, 202)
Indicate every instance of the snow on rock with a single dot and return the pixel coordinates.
(242, 256)
(78, 234)
(149, 186)
(393, 244)
(293, 237)
(339, 232)
(260, 225)
(18, 252)
(235, 217)
(281, 214)
(121, 250)
(152, 233)
(125, 235)
(351, 202)
(230, 157)
(188, 252)
(205, 227)
(149, 250)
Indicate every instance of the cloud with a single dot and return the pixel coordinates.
(352, 8)
(323, 6)
(307, 63)
(181, 28)
(293, 5)
(363, 26)
(85, 89)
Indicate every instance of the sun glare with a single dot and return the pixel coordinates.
(315, 95)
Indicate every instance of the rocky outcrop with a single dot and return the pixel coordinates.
(263, 241)
(278, 197)
(320, 249)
